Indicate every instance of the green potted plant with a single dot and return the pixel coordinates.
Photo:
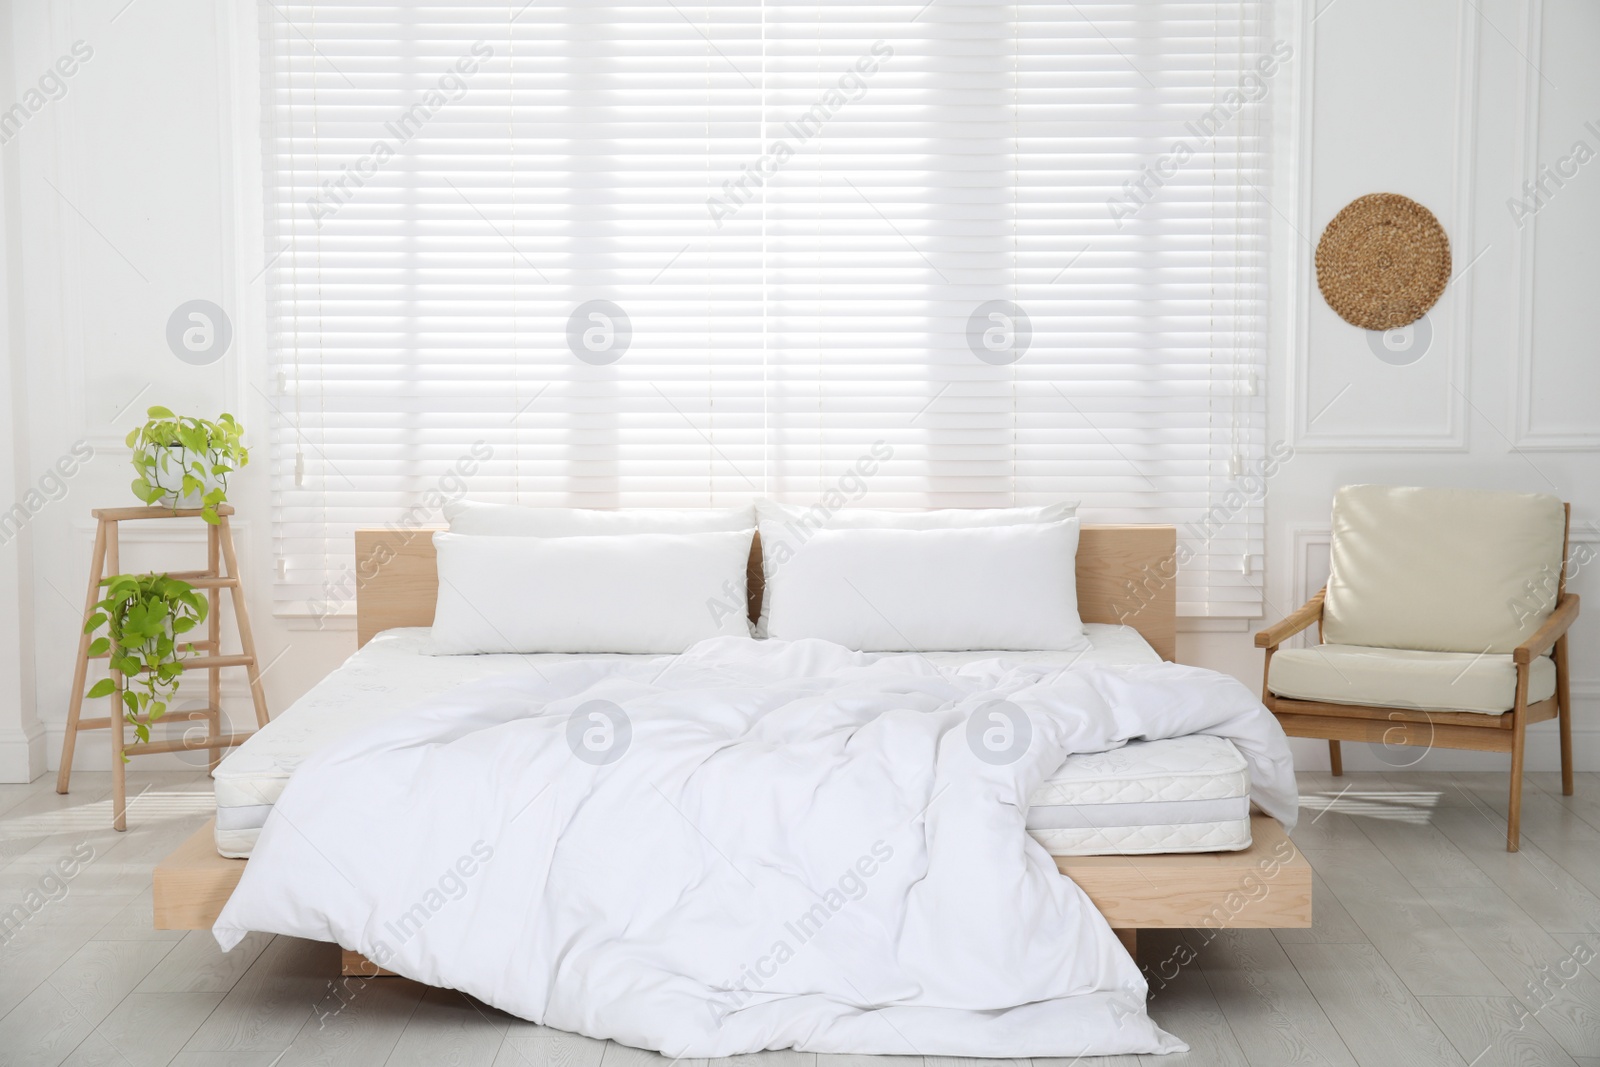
(144, 616)
(184, 462)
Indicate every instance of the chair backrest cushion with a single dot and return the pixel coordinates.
(1442, 570)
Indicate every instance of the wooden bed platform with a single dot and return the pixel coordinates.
(1266, 885)
(1125, 574)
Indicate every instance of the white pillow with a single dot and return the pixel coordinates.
(785, 527)
(514, 520)
(639, 593)
(887, 590)
(820, 517)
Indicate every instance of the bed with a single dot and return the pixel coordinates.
(1157, 834)
(1188, 794)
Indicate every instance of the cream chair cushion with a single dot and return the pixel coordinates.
(1401, 678)
(1441, 570)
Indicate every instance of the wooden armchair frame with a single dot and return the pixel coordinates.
(1445, 729)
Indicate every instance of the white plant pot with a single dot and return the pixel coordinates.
(171, 480)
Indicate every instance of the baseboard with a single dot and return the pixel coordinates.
(23, 754)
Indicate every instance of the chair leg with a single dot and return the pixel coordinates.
(1564, 711)
(1514, 814)
(1336, 758)
(1519, 740)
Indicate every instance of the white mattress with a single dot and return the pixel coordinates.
(1160, 796)
(1181, 794)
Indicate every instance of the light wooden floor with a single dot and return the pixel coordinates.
(1432, 946)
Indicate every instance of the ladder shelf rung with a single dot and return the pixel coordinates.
(152, 748)
(203, 663)
(200, 579)
(199, 646)
(196, 715)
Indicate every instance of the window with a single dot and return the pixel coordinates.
(655, 252)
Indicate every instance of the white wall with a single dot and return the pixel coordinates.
(21, 736)
(1454, 103)
(136, 191)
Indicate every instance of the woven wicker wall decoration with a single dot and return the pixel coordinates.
(1383, 261)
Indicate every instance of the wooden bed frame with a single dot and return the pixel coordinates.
(1125, 574)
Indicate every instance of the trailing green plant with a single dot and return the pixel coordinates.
(180, 456)
(144, 616)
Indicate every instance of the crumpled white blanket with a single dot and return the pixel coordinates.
(753, 845)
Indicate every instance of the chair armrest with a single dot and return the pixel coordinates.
(1548, 634)
(1303, 617)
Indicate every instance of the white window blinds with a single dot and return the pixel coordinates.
(655, 252)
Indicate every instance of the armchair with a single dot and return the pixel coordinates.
(1444, 623)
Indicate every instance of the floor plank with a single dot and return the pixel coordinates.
(447, 1027)
(275, 997)
(785, 1058)
(197, 965)
(1429, 956)
(1211, 1042)
(1371, 1008)
(1490, 1032)
(67, 1007)
(1274, 1015)
(358, 1022)
(1330, 922)
(30, 956)
(144, 1030)
(1585, 798)
(627, 1056)
(1539, 969)
(529, 1045)
(136, 922)
(1539, 884)
(1415, 847)
(1325, 810)
(1170, 960)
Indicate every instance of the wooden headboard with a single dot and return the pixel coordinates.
(1126, 574)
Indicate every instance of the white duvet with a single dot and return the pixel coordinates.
(759, 845)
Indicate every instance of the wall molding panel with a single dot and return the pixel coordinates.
(1527, 433)
(1309, 545)
(1306, 412)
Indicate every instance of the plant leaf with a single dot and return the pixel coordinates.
(103, 688)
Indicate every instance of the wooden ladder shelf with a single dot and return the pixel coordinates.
(222, 572)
